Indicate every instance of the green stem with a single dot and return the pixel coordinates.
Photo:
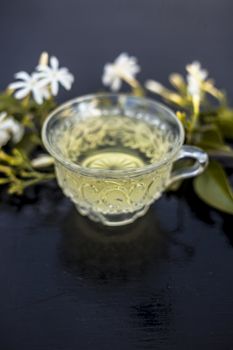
(196, 110)
(42, 178)
(26, 101)
(5, 170)
(4, 181)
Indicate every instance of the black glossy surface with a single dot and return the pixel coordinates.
(164, 282)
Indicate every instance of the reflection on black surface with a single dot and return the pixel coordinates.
(205, 213)
(44, 197)
(95, 251)
(152, 317)
(202, 211)
(227, 228)
(124, 254)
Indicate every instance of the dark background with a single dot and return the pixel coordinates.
(164, 282)
(165, 35)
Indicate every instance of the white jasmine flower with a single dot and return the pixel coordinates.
(154, 86)
(29, 84)
(195, 78)
(196, 70)
(42, 161)
(53, 76)
(9, 129)
(124, 67)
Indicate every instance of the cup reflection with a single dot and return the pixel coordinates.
(105, 253)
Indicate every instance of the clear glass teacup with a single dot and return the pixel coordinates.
(114, 154)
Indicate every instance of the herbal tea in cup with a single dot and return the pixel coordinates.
(114, 154)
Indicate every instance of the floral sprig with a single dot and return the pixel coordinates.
(44, 82)
(23, 107)
(49, 77)
(208, 124)
(10, 129)
(124, 68)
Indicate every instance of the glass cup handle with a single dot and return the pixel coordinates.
(190, 152)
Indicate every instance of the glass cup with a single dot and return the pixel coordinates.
(98, 143)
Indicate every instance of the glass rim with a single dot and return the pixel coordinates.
(110, 172)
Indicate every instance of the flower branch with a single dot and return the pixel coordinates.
(23, 107)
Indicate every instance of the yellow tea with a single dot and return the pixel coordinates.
(114, 143)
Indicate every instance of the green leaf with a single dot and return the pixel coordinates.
(225, 123)
(211, 139)
(214, 189)
(29, 142)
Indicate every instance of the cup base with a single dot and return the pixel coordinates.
(113, 219)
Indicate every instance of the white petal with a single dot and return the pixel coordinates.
(54, 87)
(196, 65)
(122, 58)
(18, 137)
(17, 131)
(7, 124)
(105, 79)
(44, 82)
(109, 74)
(35, 77)
(54, 62)
(64, 70)
(135, 69)
(66, 80)
(14, 128)
(4, 137)
(203, 74)
(65, 83)
(42, 68)
(37, 96)
(3, 116)
(67, 75)
(17, 85)
(22, 93)
(71, 77)
(22, 75)
(116, 84)
(194, 86)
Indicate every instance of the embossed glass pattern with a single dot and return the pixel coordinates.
(114, 154)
